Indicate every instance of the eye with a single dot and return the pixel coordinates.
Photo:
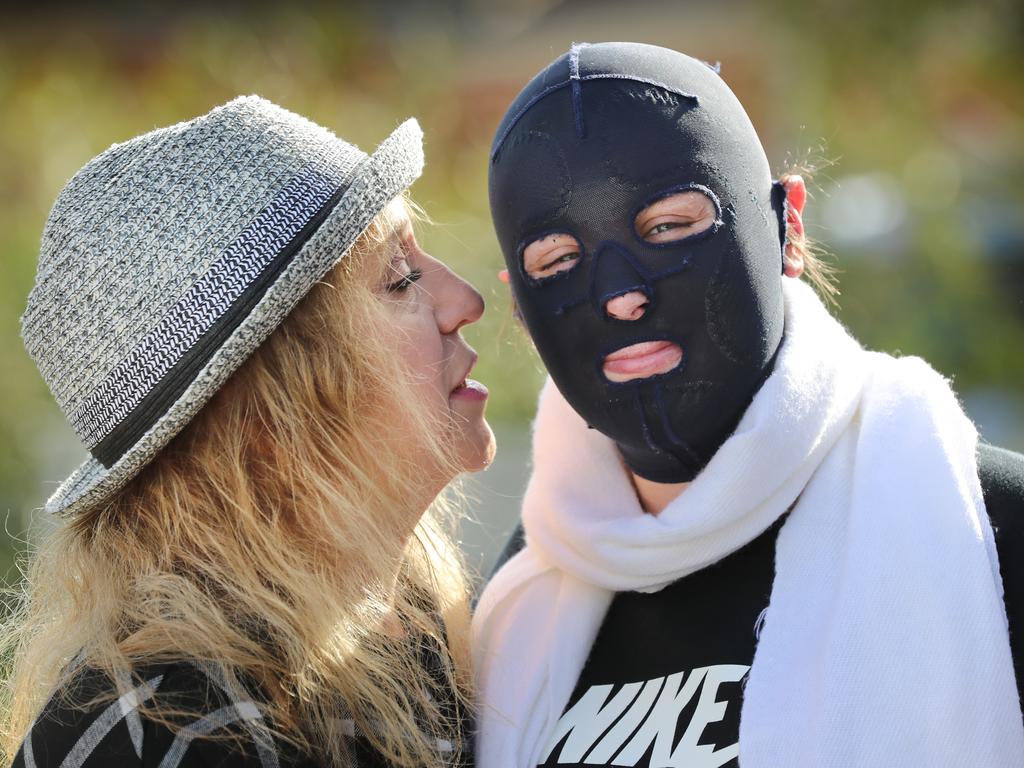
(676, 216)
(400, 274)
(551, 254)
(406, 277)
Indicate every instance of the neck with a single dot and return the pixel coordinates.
(654, 497)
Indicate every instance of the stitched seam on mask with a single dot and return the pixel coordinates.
(577, 90)
(569, 305)
(696, 237)
(683, 265)
(700, 385)
(644, 80)
(757, 204)
(645, 426)
(519, 115)
(552, 88)
(641, 270)
(682, 188)
(676, 439)
(649, 277)
(602, 248)
(648, 287)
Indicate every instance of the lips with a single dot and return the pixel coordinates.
(469, 389)
(639, 361)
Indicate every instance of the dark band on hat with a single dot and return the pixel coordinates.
(140, 390)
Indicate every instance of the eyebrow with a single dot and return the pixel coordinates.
(397, 229)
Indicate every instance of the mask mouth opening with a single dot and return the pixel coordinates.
(642, 360)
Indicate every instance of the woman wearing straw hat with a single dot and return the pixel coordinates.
(267, 370)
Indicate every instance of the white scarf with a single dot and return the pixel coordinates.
(885, 641)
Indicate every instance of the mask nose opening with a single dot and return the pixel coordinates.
(621, 288)
(628, 305)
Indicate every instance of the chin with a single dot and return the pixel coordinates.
(478, 446)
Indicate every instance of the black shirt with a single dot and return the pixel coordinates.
(666, 672)
(75, 728)
(226, 731)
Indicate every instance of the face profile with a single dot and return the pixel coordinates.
(428, 304)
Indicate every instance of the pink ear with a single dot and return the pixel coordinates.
(503, 276)
(796, 197)
(795, 220)
(796, 193)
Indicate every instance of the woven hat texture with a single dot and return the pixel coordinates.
(169, 258)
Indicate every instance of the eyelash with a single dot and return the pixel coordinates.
(405, 281)
(668, 226)
(564, 257)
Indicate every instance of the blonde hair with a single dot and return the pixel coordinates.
(271, 537)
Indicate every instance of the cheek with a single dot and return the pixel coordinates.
(733, 312)
(421, 349)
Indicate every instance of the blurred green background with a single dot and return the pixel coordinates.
(912, 112)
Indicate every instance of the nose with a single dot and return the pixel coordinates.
(628, 306)
(621, 288)
(457, 304)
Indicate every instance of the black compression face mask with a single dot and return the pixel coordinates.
(601, 133)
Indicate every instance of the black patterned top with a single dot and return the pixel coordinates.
(229, 731)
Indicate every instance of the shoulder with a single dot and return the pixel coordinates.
(1002, 479)
(1001, 473)
(94, 721)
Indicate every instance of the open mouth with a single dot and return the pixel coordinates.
(639, 361)
(469, 389)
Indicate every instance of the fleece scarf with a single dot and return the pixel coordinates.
(885, 641)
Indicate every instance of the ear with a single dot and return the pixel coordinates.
(503, 276)
(796, 197)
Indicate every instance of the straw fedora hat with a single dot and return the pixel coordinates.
(169, 258)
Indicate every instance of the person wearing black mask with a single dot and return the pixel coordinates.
(740, 524)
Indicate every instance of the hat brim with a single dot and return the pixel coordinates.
(385, 174)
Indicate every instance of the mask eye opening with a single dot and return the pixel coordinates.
(556, 261)
(709, 228)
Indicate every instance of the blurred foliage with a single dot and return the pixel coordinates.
(919, 102)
